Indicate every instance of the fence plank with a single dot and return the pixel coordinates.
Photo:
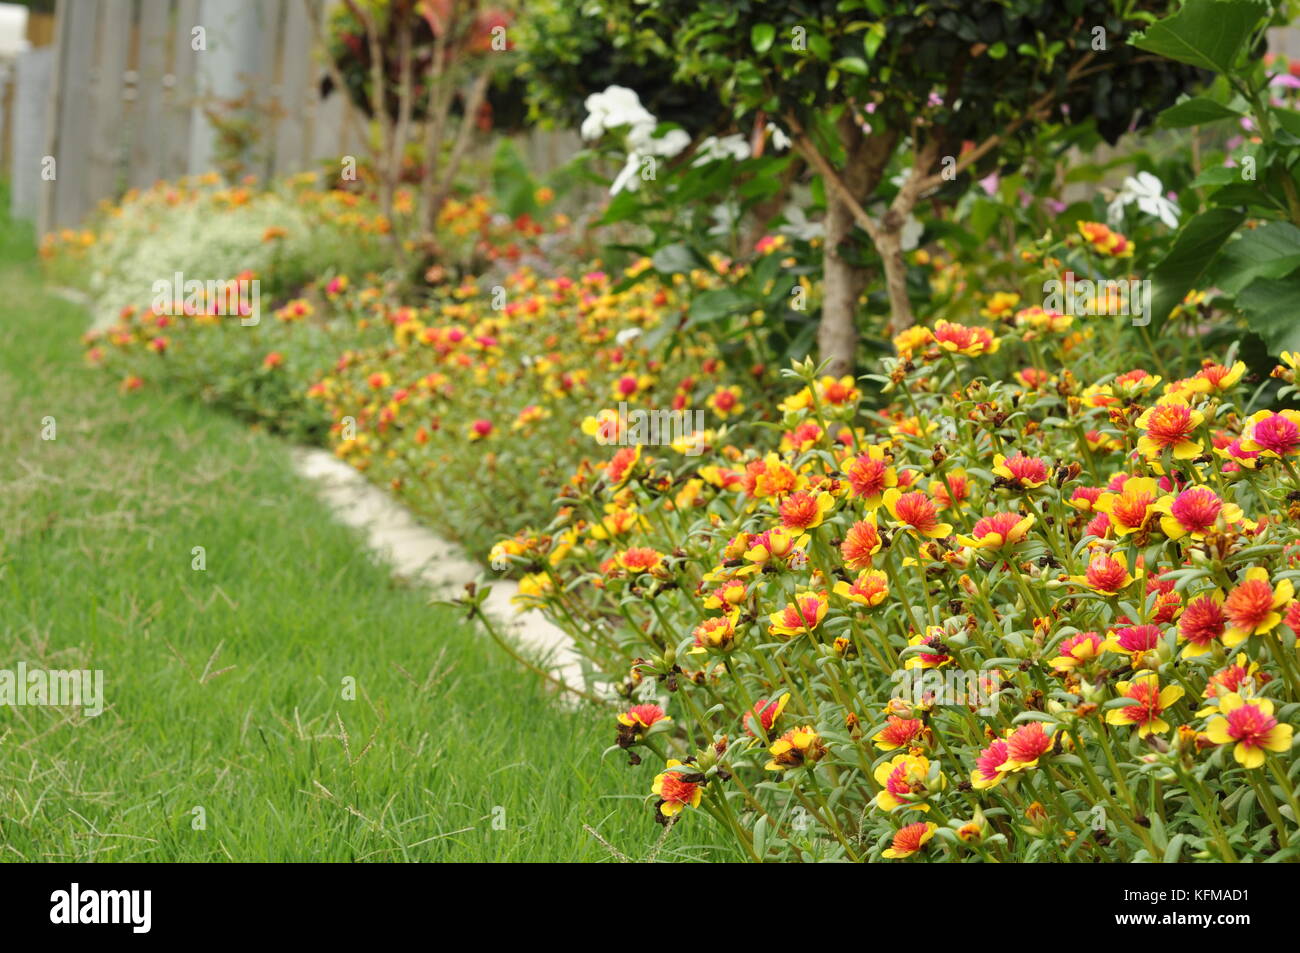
(295, 92)
(227, 69)
(147, 133)
(33, 75)
(112, 19)
(179, 100)
(261, 80)
(71, 146)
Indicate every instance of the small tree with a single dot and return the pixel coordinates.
(956, 86)
(406, 63)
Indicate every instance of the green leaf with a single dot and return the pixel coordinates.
(853, 64)
(1197, 111)
(1288, 119)
(761, 36)
(1195, 247)
(675, 259)
(1217, 175)
(873, 38)
(1242, 193)
(719, 303)
(1204, 33)
(1270, 251)
(1269, 307)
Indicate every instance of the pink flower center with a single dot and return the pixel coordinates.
(1028, 743)
(1139, 638)
(990, 759)
(1196, 509)
(1278, 434)
(1250, 725)
(1027, 469)
(1105, 573)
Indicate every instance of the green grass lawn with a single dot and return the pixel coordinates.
(224, 688)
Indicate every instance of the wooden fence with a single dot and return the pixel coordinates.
(123, 95)
(130, 86)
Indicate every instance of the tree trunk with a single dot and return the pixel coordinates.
(843, 282)
(890, 246)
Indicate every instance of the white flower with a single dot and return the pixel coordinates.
(798, 226)
(911, 234)
(629, 178)
(668, 145)
(618, 107)
(1149, 193)
(712, 149)
(614, 107)
(725, 216)
(780, 141)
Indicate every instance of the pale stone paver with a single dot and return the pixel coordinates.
(416, 552)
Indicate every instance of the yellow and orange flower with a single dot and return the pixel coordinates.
(1106, 573)
(870, 476)
(727, 596)
(1202, 622)
(676, 793)
(841, 392)
(1077, 650)
(642, 717)
(956, 480)
(905, 780)
(1132, 507)
(1252, 726)
(1272, 434)
(1025, 746)
(900, 733)
(1170, 426)
(1194, 512)
(961, 339)
(1255, 606)
(1000, 304)
(770, 478)
(1147, 704)
(1103, 239)
(795, 749)
(1023, 472)
(861, 543)
(998, 531)
(915, 513)
(717, 634)
(766, 712)
(913, 339)
(801, 510)
(725, 402)
(909, 840)
(639, 559)
(869, 589)
(776, 544)
(937, 659)
(800, 617)
(1215, 378)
